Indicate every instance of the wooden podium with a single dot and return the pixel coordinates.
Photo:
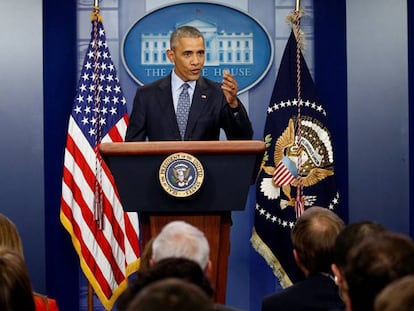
(229, 168)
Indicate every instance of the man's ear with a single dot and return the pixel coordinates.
(299, 263)
(337, 274)
(296, 256)
(170, 55)
(208, 270)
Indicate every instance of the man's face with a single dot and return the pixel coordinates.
(188, 58)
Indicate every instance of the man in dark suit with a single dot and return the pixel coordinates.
(213, 107)
(313, 239)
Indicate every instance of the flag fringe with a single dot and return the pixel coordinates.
(272, 261)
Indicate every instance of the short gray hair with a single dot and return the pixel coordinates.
(179, 239)
(184, 32)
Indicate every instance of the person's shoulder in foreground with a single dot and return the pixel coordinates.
(313, 239)
(317, 292)
(44, 303)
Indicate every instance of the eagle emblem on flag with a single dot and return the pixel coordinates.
(317, 157)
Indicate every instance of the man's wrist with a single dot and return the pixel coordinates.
(235, 105)
(235, 109)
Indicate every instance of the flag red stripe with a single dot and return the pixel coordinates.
(132, 236)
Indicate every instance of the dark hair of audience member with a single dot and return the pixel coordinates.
(375, 262)
(171, 294)
(9, 235)
(15, 288)
(396, 296)
(180, 268)
(351, 235)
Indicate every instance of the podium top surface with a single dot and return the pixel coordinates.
(195, 147)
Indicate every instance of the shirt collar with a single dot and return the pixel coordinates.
(176, 82)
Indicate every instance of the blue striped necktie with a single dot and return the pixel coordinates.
(183, 107)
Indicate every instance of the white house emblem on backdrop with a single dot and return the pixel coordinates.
(233, 40)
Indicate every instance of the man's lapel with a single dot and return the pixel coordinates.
(201, 97)
(167, 111)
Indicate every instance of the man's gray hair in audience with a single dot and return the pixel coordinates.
(180, 239)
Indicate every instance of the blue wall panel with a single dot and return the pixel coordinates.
(60, 78)
(378, 142)
(331, 83)
(21, 128)
(410, 36)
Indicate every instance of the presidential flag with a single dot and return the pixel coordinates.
(279, 176)
(104, 236)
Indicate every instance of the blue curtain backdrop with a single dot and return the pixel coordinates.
(410, 35)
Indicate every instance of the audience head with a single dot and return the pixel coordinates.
(372, 264)
(396, 296)
(180, 268)
(9, 235)
(313, 238)
(350, 236)
(171, 295)
(180, 239)
(15, 287)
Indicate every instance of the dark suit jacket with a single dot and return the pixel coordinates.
(317, 292)
(153, 116)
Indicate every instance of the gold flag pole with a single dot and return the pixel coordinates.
(95, 16)
(297, 6)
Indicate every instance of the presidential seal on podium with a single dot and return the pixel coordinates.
(181, 175)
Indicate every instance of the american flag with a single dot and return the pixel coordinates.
(104, 236)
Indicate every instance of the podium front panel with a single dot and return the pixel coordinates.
(227, 178)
